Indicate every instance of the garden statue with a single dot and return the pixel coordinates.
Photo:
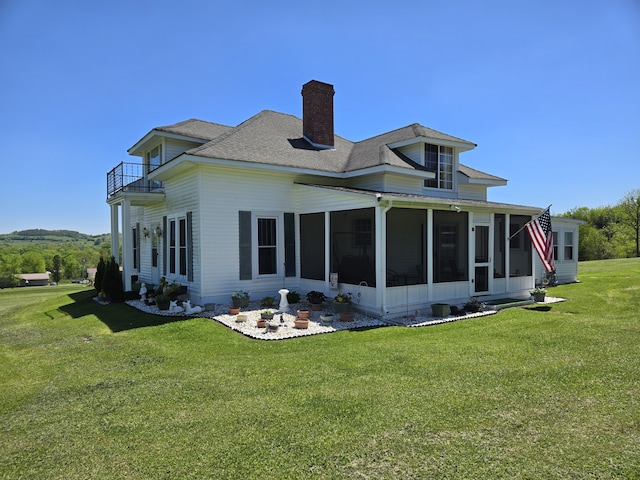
(189, 309)
(143, 292)
(174, 307)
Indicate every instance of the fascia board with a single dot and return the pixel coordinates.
(462, 147)
(136, 149)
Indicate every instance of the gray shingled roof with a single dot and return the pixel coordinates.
(196, 129)
(477, 174)
(274, 138)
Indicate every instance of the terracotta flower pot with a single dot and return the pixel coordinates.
(234, 310)
(316, 307)
(346, 316)
(304, 314)
(261, 323)
(301, 323)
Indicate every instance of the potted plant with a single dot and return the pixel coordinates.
(473, 305)
(293, 297)
(316, 298)
(327, 318)
(347, 316)
(342, 302)
(234, 310)
(267, 301)
(162, 301)
(305, 314)
(440, 309)
(266, 315)
(240, 299)
(538, 294)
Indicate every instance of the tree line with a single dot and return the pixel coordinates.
(66, 255)
(610, 231)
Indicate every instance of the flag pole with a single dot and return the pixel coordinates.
(525, 225)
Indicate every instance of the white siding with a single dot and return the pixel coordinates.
(472, 192)
(224, 193)
(414, 151)
(566, 269)
(173, 148)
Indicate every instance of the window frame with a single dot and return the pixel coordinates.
(151, 166)
(278, 248)
(567, 251)
(443, 166)
(177, 246)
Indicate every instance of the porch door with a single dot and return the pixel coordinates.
(482, 260)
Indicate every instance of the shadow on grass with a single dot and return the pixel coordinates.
(118, 317)
(539, 308)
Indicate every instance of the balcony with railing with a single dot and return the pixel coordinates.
(130, 177)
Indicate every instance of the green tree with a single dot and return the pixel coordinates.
(630, 209)
(99, 280)
(33, 262)
(57, 265)
(10, 262)
(112, 281)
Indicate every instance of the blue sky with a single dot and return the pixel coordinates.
(549, 90)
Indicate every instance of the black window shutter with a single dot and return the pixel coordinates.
(164, 246)
(244, 221)
(138, 247)
(190, 246)
(289, 245)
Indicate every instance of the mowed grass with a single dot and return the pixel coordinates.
(526, 393)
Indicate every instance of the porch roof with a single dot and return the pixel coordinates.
(405, 199)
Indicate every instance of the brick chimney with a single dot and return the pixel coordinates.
(317, 114)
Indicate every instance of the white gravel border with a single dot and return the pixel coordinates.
(286, 328)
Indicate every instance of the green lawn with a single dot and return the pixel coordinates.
(525, 393)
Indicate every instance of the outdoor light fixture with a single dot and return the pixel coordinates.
(145, 232)
(158, 231)
(455, 207)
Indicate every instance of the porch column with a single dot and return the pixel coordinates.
(381, 257)
(127, 251)
(115, 247)
(327, 250)
(430, 235)
(507, 253)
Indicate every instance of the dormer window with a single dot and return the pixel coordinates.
(439, 160)
(153, 157)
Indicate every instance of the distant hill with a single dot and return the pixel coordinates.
(38, 235)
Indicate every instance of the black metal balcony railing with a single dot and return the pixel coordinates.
(130, 177)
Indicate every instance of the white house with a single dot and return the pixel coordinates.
(565, 251)
(279, 201)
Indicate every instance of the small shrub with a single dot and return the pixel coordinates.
(293, 297)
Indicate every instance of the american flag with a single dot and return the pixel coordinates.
(542, 238)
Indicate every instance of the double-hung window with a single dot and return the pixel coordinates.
(568, 246)
(267, 246)
(153, 157)
(439, 160)
(177, 246)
